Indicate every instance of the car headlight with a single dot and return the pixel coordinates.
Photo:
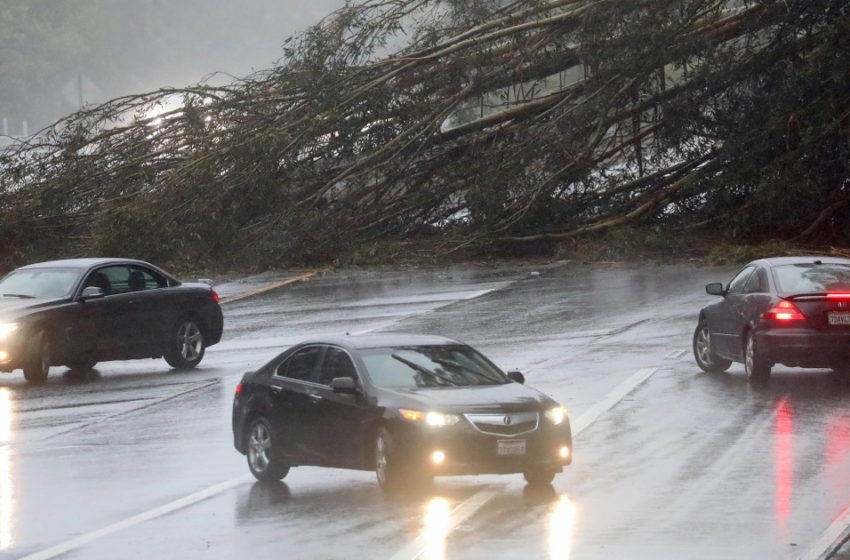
(556, 415)
(7, 328)
(436, 419)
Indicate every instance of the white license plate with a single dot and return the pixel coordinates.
(511, 447)
(839, 318)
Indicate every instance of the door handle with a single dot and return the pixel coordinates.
(276, 390)
(314, 397)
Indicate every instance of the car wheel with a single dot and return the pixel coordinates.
(39, 360)
(386, 464)
(757, 368)
(706, 359)
(186, 344)
(262, 454)
(539, 476)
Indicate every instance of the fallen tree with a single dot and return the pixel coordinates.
(533, 120)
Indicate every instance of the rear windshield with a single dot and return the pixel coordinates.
(39, 283)
(812, 278)
(430, 366)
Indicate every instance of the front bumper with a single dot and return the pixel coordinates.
(468, 451)
(805, 347)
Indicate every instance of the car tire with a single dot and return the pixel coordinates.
(39, 360)
(757, 368)
(387, 465)
(186, 344)
(705, 357)
(262, 453)
(539, 476)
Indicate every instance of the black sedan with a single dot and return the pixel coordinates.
(78, 312)
(408, 407)
(793, 311)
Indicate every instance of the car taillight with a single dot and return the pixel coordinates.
(238, 388)
(214, 295)
(838, 296)
(784, 311)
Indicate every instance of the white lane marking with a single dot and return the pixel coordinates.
(468, 508)
(674, 354)
(460, 514)
(830, 540)
(611, 399)
(77, 542)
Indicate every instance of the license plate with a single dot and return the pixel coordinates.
(511, 447)
(839, 318)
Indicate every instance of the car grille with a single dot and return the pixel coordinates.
(504, 424)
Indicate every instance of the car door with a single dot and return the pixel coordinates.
(342, 420)
(294, 399)
(92, 325)
(730, 316)
(129, 312)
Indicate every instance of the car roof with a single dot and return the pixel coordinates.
(82, 263)
(383, 340)
(781, 261)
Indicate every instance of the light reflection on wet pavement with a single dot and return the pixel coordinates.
(688, 465)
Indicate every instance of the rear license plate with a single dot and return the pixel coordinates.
(511, 447)
(839, 318)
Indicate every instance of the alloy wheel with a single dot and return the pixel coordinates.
(190, 340)
(259, 446)
(704, 346)
(381, 460)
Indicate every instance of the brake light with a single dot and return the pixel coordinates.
(214, 295)
(784, 311)
(838, 296)
(239, 389)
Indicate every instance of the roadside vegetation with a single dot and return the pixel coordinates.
(424, 129)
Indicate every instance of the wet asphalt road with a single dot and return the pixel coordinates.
(135, 461)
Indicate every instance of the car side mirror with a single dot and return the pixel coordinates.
(516, 377)
(715, 289)
(92, 292)
(344, 385)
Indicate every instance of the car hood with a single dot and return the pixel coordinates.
(14, 307)
(510, 397)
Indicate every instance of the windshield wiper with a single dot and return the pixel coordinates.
(423, 369)
(452, 363)
(22, 296)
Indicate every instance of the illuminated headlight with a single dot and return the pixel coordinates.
(556, 415)
(7, 328)
(436, 419)
(440, 419)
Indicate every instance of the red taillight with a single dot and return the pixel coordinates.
(214, 295)
(238, 388)
(784, 311)
(838, 296)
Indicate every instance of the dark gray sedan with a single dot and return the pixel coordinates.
(79, 312)
(793, 311)
(408, 407)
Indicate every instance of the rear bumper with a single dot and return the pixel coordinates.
(805, 347)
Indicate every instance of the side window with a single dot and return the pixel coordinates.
(301, 365)
(754, 284)
(103, 278)
(141, 278)
(337, 363)
(736, 286)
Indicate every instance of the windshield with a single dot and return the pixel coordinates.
(39, 283)
(430, 366)
(812, 278)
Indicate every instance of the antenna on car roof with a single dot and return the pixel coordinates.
(818, 261)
